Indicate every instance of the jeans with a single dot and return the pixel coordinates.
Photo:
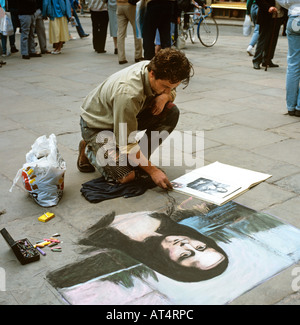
(254, 38)
(293, 62)
(27, 23)
(79, 28)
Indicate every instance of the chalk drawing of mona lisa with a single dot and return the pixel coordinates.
(172, 249)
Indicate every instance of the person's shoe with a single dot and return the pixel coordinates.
(297, 112)
(123, 62)
(55, 52)
(13, 49)
(35, 55)
(2, 62)
(83, 163)
(256, 66)
(291, 113)
(271, 65)
(46, 52)
(25, 57)
(250, 50)
(6, 54)
(84, 35)
(116, 51)
(103, 51)
(139, 59)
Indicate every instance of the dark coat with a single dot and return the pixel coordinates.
(263, 16)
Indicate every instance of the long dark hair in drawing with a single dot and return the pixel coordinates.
(175, 250)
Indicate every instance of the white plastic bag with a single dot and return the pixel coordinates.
(43, 172)
(6, 26)
(247, 26)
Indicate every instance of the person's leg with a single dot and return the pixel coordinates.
(293, 68)
(3, 44)
(99, 151)
(25, 22)
(138, 52)
(122, 28)
(158, 127)
(103, 23)
(271, 41)
(260, 46)
(149, 30)
(79, 27)
(31, 42)
(40, 30)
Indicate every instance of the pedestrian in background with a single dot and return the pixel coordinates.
(59, 12)
(293, 58)
(126, 13)
(113, 22)
(74, 6)
(252, 10)
(269, 19)
(10, 6)
(99, 17)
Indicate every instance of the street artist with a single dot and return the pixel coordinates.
(139, 97)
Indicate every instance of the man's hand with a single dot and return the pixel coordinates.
(272, 10)
(160, 179)
(159, 103)
(158, 176)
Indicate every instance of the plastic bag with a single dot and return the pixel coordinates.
(247, 26)
(43, 172)
(6, 26)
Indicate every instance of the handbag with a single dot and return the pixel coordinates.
(247, 26)
(6, 26)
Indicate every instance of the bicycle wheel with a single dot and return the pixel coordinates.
(208, 32)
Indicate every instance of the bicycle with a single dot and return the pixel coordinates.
(207, 29)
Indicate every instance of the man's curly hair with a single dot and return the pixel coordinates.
(172, 65)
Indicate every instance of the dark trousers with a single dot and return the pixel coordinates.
(101, 148)
(158, 15)
(99, 24)
(267, 41)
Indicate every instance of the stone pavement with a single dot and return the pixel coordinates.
(241, 111)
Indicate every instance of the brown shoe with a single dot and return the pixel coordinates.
(83, 163)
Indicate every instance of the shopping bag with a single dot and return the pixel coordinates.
(43, 172)
(6, 26)
(247, 26)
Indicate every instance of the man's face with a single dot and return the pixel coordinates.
(160, 86)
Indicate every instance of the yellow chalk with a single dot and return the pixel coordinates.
(42, 244)
(46, 216)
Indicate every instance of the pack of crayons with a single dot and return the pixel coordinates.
(23, 249)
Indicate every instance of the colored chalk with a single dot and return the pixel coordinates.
(46, 216)
(56, 249)
(43, 244)
(52, 244)
(41, 251)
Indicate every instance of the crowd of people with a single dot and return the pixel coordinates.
(267, 17)
(151, 22)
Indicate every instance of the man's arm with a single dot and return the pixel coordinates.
(158, 176)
